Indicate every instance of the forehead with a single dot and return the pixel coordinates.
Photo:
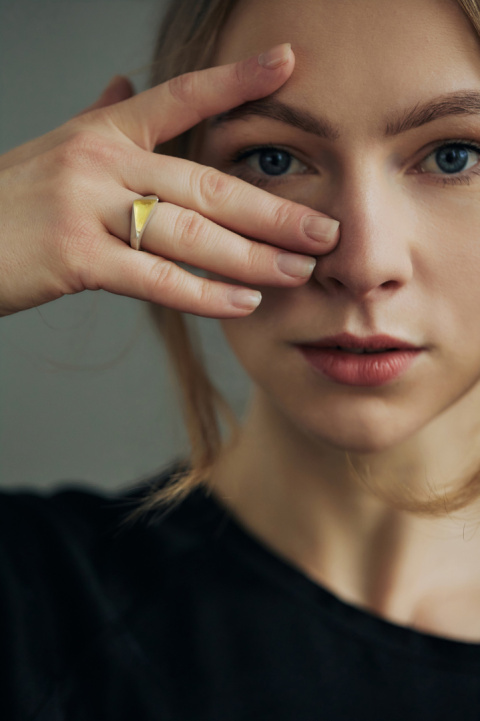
(360, 55)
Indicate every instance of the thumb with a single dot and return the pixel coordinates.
(119, 88)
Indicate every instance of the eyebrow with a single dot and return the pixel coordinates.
(464, 102)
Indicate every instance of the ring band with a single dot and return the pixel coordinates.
(142, 211)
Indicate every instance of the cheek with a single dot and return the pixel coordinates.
(440, 304)
(258, 339)
(447, 269)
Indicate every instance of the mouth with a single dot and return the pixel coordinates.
(361, 351)
(351, 360)
(353, 344)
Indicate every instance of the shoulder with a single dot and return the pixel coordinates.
(31, 522)
(71, 569)
(74, 535)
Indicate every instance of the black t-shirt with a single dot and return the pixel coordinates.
(188, 617)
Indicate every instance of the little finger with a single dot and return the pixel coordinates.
(117, 268)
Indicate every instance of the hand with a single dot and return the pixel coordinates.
(66, 199)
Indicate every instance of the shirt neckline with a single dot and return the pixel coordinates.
(226, 531)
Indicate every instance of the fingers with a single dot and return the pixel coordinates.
(186, 236)
(165, 111)
(231, 202)
(117, 268)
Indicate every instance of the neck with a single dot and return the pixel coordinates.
(302, 498)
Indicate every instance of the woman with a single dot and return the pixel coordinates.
(323, 561)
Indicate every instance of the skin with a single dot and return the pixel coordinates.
(407, 264)
(82, 178)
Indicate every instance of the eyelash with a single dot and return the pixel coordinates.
(461, 178)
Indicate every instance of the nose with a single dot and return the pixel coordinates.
(374, 253)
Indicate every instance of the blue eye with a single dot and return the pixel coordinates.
(274, 161)
(271, 161)
(453, 160)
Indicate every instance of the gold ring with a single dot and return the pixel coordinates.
(142, 211)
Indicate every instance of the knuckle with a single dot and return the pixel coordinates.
(255, 256)
(240, 75)
(73, 150)
(190, 227)
(214, 187)
(87, 149)
(161, 279)
(282, 215)
(72, 230)
(205, 294)
(70, 205)
(78, 246)
(69, 196)
(182, 87)
(78, 256)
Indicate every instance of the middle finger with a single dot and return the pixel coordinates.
(233, 203)
(185, 236)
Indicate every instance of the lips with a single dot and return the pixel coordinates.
(374, 343)
(354, 361)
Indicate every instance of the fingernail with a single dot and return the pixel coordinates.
(296, 266)
(276, 56)
(245, 299)
(322, 229)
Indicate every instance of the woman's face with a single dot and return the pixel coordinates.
(408, 260)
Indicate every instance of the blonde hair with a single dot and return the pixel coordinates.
(186, 42)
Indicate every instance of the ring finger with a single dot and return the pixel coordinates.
(185, 236)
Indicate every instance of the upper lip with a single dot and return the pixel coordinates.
(372, 342)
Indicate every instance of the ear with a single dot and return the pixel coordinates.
(119, 88)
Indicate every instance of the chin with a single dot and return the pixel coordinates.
(364, 435)
(363, 443)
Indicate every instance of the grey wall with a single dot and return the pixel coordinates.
(85, 394)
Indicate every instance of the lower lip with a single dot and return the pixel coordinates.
(353, 369)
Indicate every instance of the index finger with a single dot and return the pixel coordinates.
(167, 110)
